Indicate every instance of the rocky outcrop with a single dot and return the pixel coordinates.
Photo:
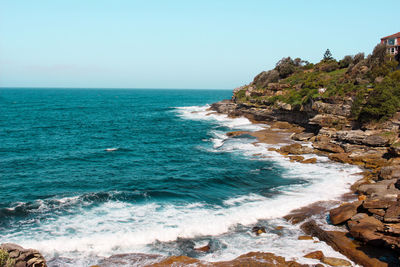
(341, 243)
(249, 259)
(21, 257)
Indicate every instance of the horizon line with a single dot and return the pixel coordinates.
(110, 88)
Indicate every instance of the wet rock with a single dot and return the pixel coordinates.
(258, 230)
(310, 160)
(296, 158)
(237, 133)
(305, 237)
(24, 257)
(344, 212)
(335, 261)
(205, 248)
(315, 255)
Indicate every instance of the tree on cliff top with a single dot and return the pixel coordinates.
(327, 55)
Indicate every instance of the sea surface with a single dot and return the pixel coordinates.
(88, 173)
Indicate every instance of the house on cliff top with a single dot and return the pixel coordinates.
(392, 42)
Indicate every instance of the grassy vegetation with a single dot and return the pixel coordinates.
(5, 260)
(372, 83)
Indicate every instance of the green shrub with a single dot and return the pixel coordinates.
(345, 62)
(328, 66)
(285, 67)
(382, 102)
(5, 260)
(241, 95)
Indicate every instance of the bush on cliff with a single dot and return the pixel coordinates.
(383, 101)
(5, 259)
(372, 83)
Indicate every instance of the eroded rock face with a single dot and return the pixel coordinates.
(24, 257)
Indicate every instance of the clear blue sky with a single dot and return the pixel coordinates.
(177, 44)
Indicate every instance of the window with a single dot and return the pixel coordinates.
(391, 42)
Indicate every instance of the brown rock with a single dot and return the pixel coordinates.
(296, 158)
(305, 237)
(366, 230)
(310, 160)
(378, 204)
(390, 172)
(315, 255)
(295, 149)
(335, 261)
(205, 248)
(392, 214)
(177, 261)
(281, 125)
(379, 212)
(302, 136)
(344, 212)
(340, 157)
(340, 242)
(328, 146)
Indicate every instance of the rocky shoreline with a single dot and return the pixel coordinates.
(373, 220)
(369, 217)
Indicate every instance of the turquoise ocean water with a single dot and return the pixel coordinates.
(87, 173)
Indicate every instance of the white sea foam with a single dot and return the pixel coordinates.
(111, 149)
(120, 227)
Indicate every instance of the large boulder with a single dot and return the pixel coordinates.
(344, 212)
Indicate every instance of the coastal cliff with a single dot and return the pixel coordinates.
(349, 111)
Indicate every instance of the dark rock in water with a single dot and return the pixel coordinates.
(314, 255)
(205, 248)
(258, 230)
(23, 257)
